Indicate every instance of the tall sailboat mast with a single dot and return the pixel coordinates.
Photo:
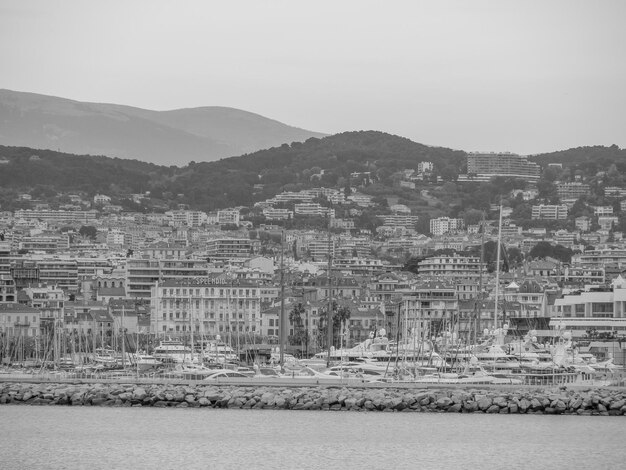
(283, 320)
(495, 308)
(191, 323)
(330, 295)
(479, 296)
(123, 339)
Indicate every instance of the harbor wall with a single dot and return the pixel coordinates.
(603, 402)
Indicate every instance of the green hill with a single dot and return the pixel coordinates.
(328, 162)
(226, 182)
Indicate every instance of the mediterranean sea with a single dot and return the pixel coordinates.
(39, 437)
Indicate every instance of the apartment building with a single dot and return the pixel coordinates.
(318, 248)
(573, 190)
(400, 220)
(142, 273)
(272, 213)
(313, 208)
(8, 291)
(443, 225)
(602, 311)
(429, 307)
(602, 210)
(451, 267)
(549, 212)
(228, 217)
(600, 257)
(225, 248)
(19, 320)
(502, 164)
(84, 217)
(5, 257)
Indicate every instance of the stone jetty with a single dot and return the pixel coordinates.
(603, 402)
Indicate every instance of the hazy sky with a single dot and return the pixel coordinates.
(524, 76)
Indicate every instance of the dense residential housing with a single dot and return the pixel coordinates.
(224, 273)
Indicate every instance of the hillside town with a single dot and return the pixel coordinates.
(91, 268)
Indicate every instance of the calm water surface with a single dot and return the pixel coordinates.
(159, 439)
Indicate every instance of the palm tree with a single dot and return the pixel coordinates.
(295, 316)
(299, 329)
(341, 314)
(341, 318)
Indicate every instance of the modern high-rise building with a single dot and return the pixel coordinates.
(487, 165)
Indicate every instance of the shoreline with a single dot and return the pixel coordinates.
(333, 397)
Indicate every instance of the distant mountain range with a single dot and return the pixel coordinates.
(162, 137)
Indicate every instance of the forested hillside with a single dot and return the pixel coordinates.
(227, 182)
(370, 161)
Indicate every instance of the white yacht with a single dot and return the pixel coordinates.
(145, 361)
(104, 356)
(219, 352)
(169, 351)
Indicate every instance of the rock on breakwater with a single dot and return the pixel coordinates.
(604, 402)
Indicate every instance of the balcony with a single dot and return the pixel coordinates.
(22, 324)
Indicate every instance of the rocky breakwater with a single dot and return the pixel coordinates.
(602, 402)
